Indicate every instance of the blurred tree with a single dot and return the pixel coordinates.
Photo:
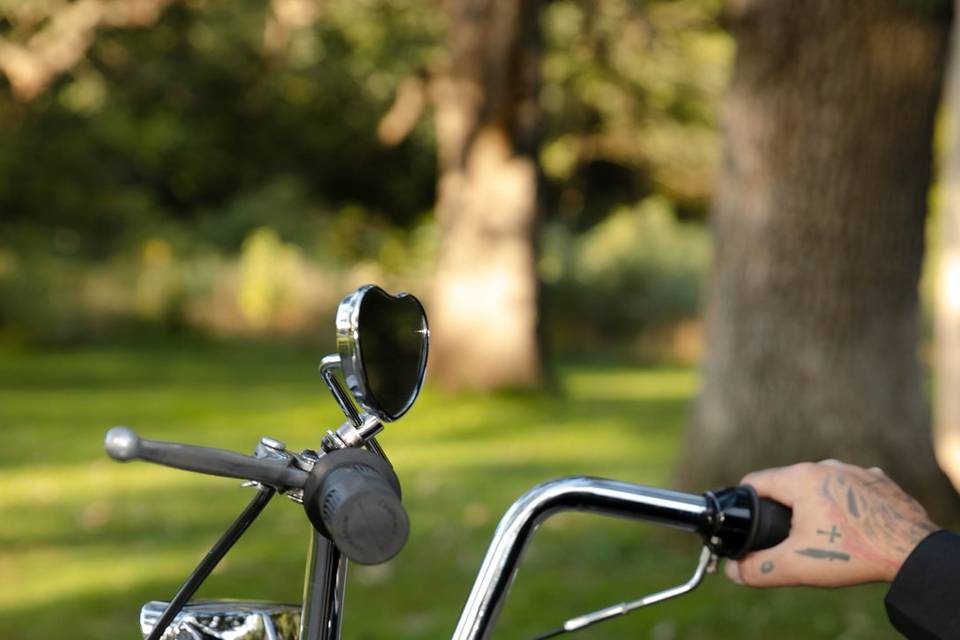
(485, 300)
(947, 292)
(812, 325)
(197, 123)
(624, 109)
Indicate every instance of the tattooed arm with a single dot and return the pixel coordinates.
(850, 525)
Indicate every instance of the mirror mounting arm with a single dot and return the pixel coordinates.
(328, 365)
(359, 429)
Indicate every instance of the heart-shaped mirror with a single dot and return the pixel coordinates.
(382, 341)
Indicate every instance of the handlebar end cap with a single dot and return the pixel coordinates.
(122, 444)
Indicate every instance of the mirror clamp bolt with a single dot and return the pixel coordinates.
(349, 435)
(331, 442)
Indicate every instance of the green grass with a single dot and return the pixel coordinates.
(84, 541)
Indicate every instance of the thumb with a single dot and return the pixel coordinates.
(732, 570)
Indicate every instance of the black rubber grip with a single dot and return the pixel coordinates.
(742, 522)
(773, 524)
(123, 444)
(353, 498)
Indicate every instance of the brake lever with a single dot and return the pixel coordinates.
(123, 444)
(706, 564)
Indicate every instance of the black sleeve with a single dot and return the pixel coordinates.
(923, 602)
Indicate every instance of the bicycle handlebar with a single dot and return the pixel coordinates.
(352, 496)
(123, 444)
(773, 524)
(740, 521)
(732, 521)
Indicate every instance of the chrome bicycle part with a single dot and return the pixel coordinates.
(382, 341)
(324, 587)
(359, 430)
(217, 619)
(706, 564)
(577, 493)
(329, 365)
(352, 497)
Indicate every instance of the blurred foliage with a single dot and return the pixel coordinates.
(639, 269)
(267, 269)
(132, 189)
(192, 128)
(631, 92)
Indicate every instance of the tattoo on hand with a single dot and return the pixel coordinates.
(852, 503)
(824, 554)
(766, 567)
(879, 513)
(833, 533)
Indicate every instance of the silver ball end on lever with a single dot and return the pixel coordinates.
(122, 444)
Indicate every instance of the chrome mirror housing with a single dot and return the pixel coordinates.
(382, 341)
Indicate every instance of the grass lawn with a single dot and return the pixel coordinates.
(84, 540)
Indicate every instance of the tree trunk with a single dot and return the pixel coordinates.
(484, 309)
(812, 319)
(947, 297)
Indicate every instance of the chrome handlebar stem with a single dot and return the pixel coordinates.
(576, 493)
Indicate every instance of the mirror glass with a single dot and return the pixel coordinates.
(386, 362)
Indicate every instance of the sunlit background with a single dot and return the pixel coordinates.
(189, 187)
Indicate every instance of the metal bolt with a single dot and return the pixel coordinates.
(273, 443)
(327, 443)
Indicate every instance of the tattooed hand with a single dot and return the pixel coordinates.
(850, 525)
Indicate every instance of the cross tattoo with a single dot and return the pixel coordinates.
(833, 533)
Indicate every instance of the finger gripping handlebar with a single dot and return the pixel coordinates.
(353, 497)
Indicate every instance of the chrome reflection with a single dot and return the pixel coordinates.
(575, 493)
(226, 620)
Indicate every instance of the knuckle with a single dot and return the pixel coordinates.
(808, 468)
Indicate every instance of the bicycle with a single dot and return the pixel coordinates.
(351, 497)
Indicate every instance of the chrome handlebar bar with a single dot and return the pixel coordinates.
(582, 494)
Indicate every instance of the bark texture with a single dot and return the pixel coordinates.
(819, 212)
(484, 309)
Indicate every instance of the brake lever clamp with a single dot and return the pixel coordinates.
(272, 448)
